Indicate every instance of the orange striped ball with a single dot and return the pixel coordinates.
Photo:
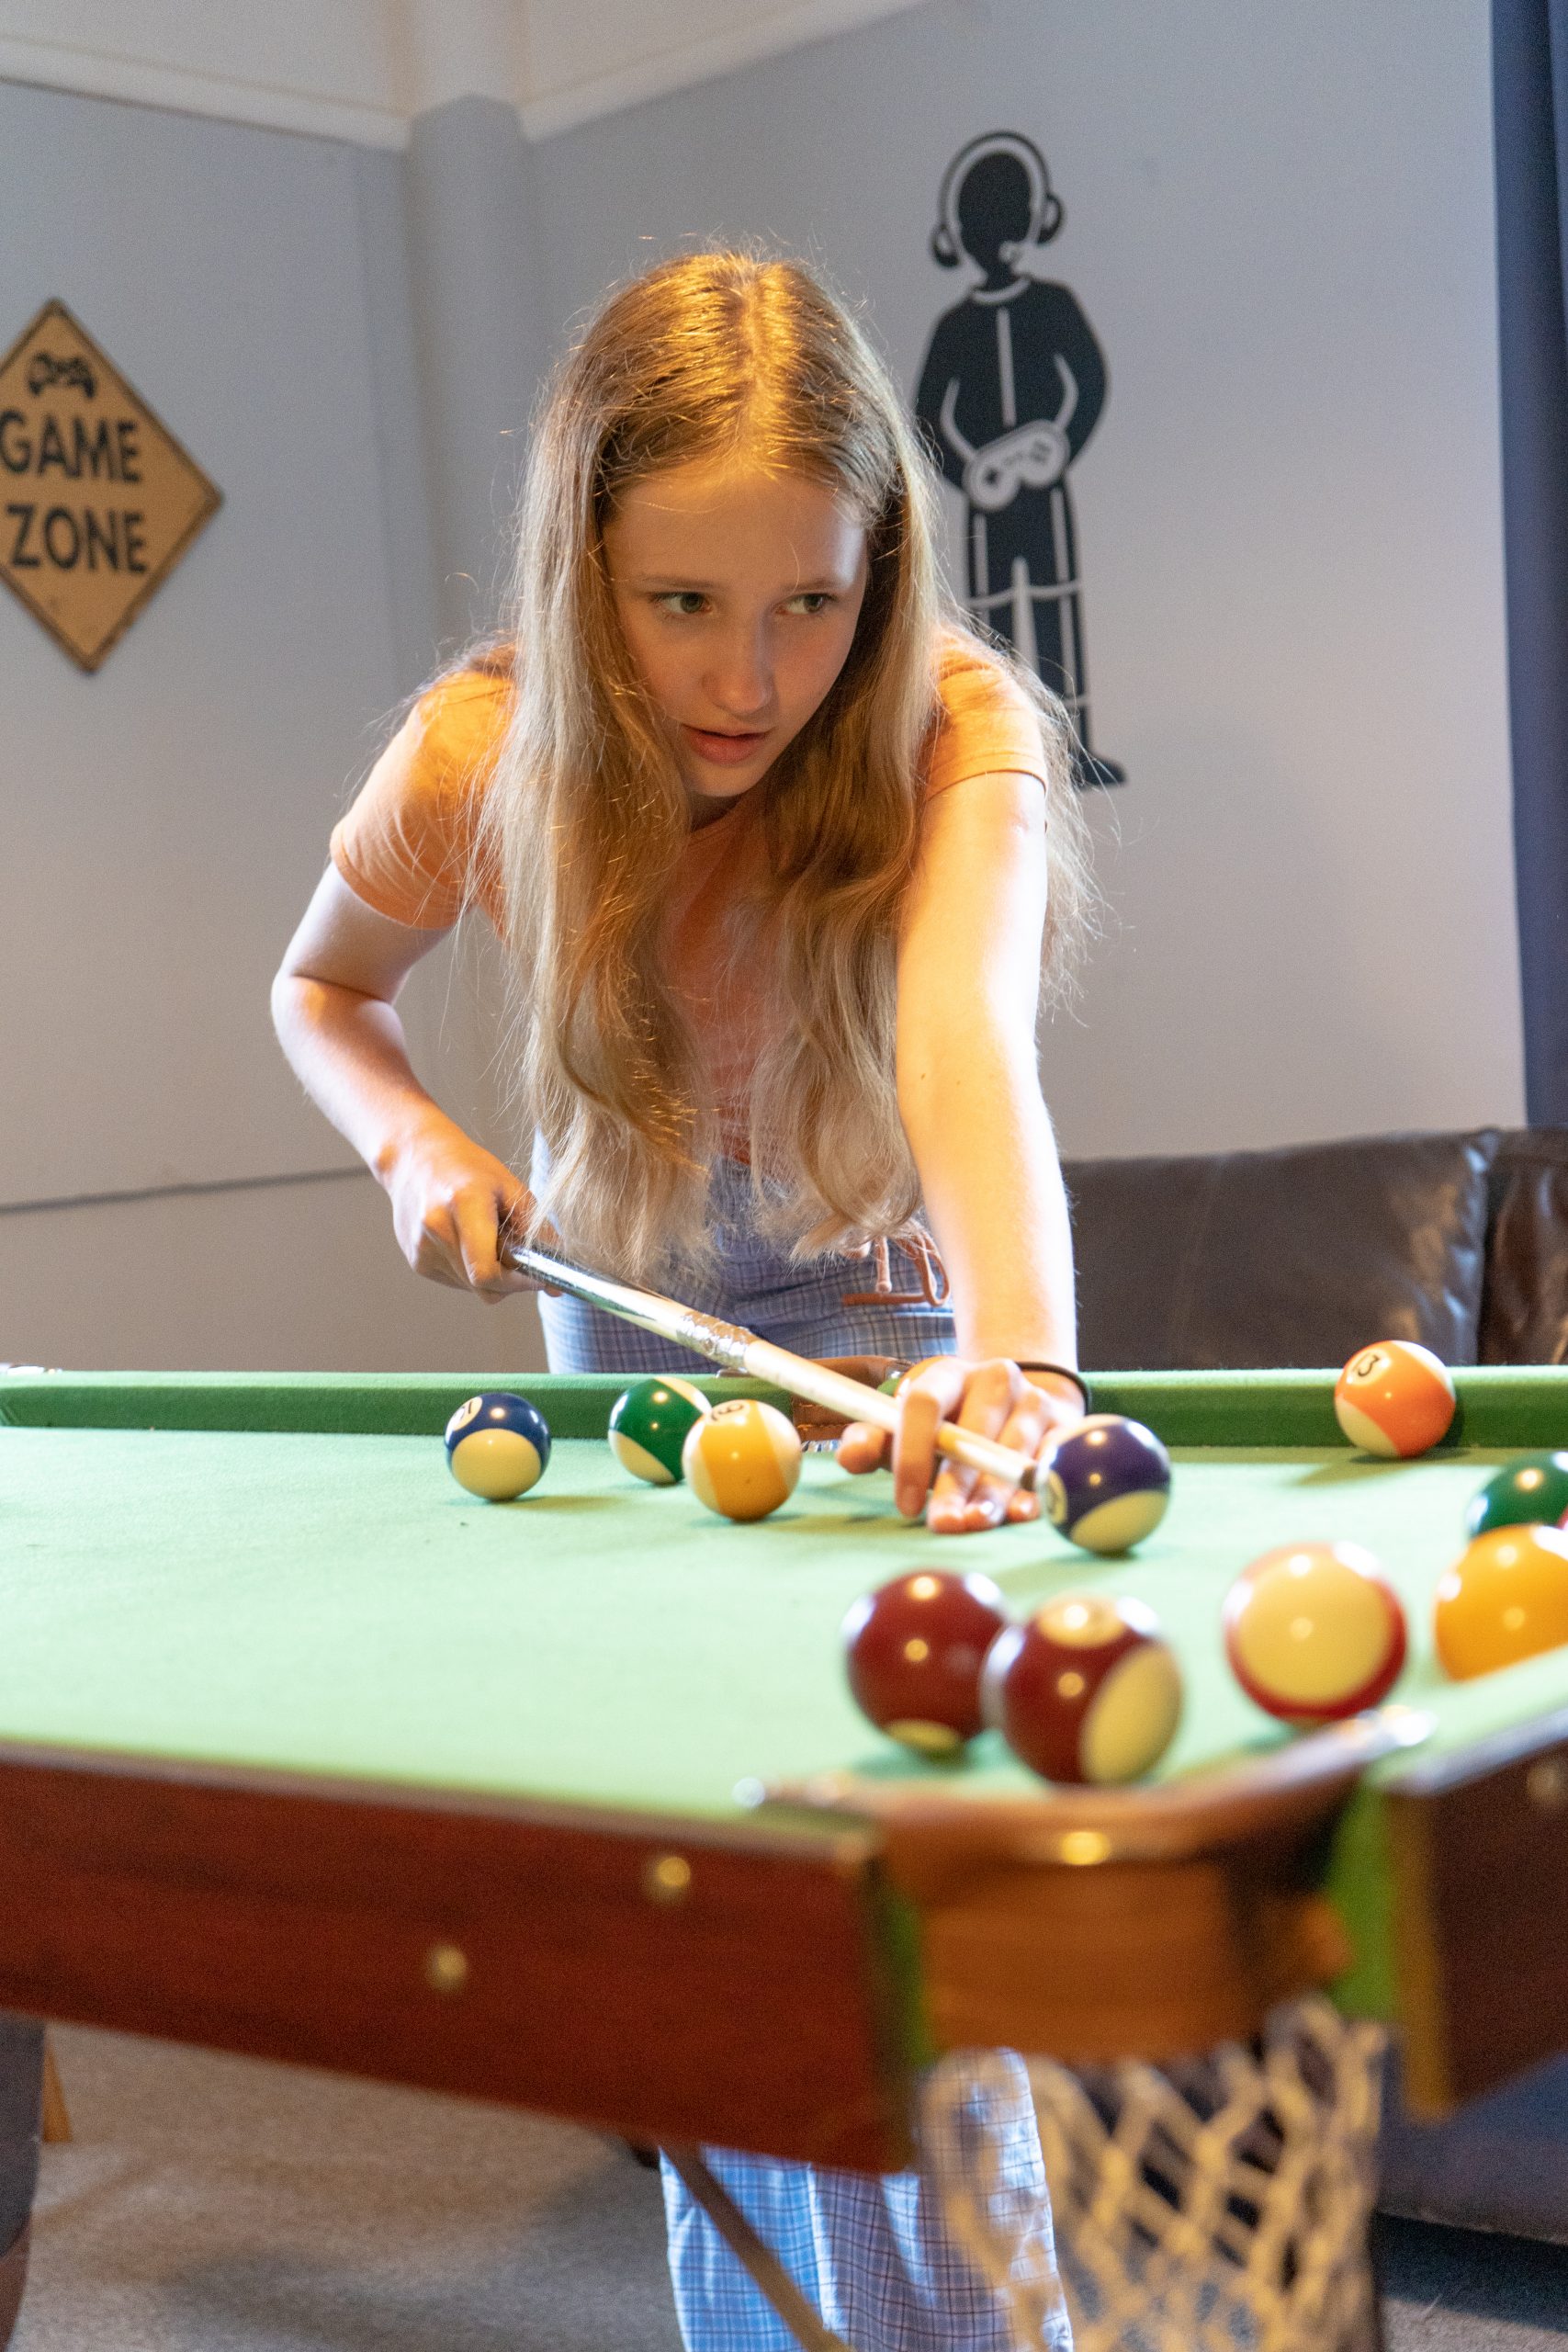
(1394, 1399)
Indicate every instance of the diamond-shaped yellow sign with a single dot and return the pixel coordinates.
(98, 502)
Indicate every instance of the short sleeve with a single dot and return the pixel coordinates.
(987, 727)
(406, 845)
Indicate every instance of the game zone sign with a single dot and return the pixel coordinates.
(98, 502)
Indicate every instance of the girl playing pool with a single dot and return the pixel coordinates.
(778, 851)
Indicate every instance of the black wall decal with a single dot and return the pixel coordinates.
(1012, 385)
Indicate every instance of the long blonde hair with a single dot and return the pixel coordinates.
(587, 817)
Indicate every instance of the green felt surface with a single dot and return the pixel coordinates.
(331, 1602)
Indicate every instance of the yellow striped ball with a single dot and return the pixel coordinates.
(498, 1445)
(742, 1460)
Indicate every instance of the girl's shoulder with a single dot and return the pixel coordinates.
(406, 843)
(456, 729)
(987, 721)
(968, 668)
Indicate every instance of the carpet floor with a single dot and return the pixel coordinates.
(212, 2204)
(1461, 2290)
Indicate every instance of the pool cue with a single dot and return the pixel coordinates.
(732, 1345)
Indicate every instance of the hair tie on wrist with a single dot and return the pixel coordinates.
(1064, 1372)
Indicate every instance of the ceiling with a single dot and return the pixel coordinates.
(363, 69)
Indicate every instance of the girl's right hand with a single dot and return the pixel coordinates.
(450, 1201)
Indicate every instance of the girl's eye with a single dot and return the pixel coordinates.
(688, 603)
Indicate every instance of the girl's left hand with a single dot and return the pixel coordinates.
(994, 1398)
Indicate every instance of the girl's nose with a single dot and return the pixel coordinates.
(741, 680)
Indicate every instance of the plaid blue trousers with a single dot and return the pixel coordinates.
(879, 2259)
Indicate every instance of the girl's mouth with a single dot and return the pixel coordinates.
(724, 750)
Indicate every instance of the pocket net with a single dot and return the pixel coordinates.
(1220, 2205)
(1223, 2203)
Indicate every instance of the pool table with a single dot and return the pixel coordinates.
(305, 1753)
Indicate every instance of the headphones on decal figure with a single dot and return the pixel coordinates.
(1045, 211)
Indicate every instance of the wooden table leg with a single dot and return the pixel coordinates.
(772, 2279)
(56, 2114)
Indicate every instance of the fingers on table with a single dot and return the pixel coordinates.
(992, 1399)
(861, 1447)
(995, 1401)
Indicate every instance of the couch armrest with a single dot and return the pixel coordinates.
(1524, 1307)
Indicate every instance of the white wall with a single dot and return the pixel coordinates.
(1280, 223)
(164, 817)
(1281, 226)
(275, 1277)
(163, 822)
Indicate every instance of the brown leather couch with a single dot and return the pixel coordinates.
(1299, 1257)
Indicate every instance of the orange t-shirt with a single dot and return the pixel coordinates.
(405, 845)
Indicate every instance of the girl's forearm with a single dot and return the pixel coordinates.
(349, 1052)
(992, 1185)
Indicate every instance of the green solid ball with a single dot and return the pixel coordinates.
(1531, 1492)
(648, 1425)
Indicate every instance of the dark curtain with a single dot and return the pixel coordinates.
(1529, 52)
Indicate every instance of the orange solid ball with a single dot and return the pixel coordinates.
(1394, 1399)
(1505, 1599)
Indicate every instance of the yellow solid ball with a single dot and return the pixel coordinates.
(742, 1460)
(1505, 1599)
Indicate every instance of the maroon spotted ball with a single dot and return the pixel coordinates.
(1088, 1690)
(914, 1649)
